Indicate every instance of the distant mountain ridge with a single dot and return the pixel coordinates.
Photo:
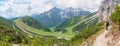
(56, 16)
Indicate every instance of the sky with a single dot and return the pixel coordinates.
(17, 8)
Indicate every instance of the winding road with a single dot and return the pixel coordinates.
(30, 34)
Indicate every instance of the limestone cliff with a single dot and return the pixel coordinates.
(106, 8)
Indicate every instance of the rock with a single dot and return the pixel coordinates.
(106, 8)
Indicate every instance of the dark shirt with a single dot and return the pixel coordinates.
(107, 25)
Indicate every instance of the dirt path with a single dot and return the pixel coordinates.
(111, 40)
(101, 40)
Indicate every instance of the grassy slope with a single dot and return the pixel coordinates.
(70, 24)
(75, 24)
(34, 23)
(42, 32)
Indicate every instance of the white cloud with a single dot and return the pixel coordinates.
(16, 8)
(38, 6)
(91, 5)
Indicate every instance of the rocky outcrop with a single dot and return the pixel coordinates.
(106, 8)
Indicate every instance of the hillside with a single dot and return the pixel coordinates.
(76, 24)
(9, 33)
(27, 24)
(104, 37)
(5, 22)
(34, 23)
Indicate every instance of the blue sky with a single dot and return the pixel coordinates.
(16, 8)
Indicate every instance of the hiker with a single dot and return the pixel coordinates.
(107, 25)
(106, 19)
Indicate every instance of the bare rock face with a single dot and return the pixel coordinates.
(106, 8)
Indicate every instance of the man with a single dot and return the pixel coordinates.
(106, 19)
(107, 25)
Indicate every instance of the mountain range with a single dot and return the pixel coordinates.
(56, 16)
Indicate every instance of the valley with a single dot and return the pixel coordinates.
(59, 33)
(35, 31)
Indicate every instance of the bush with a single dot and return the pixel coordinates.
(115, 16)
